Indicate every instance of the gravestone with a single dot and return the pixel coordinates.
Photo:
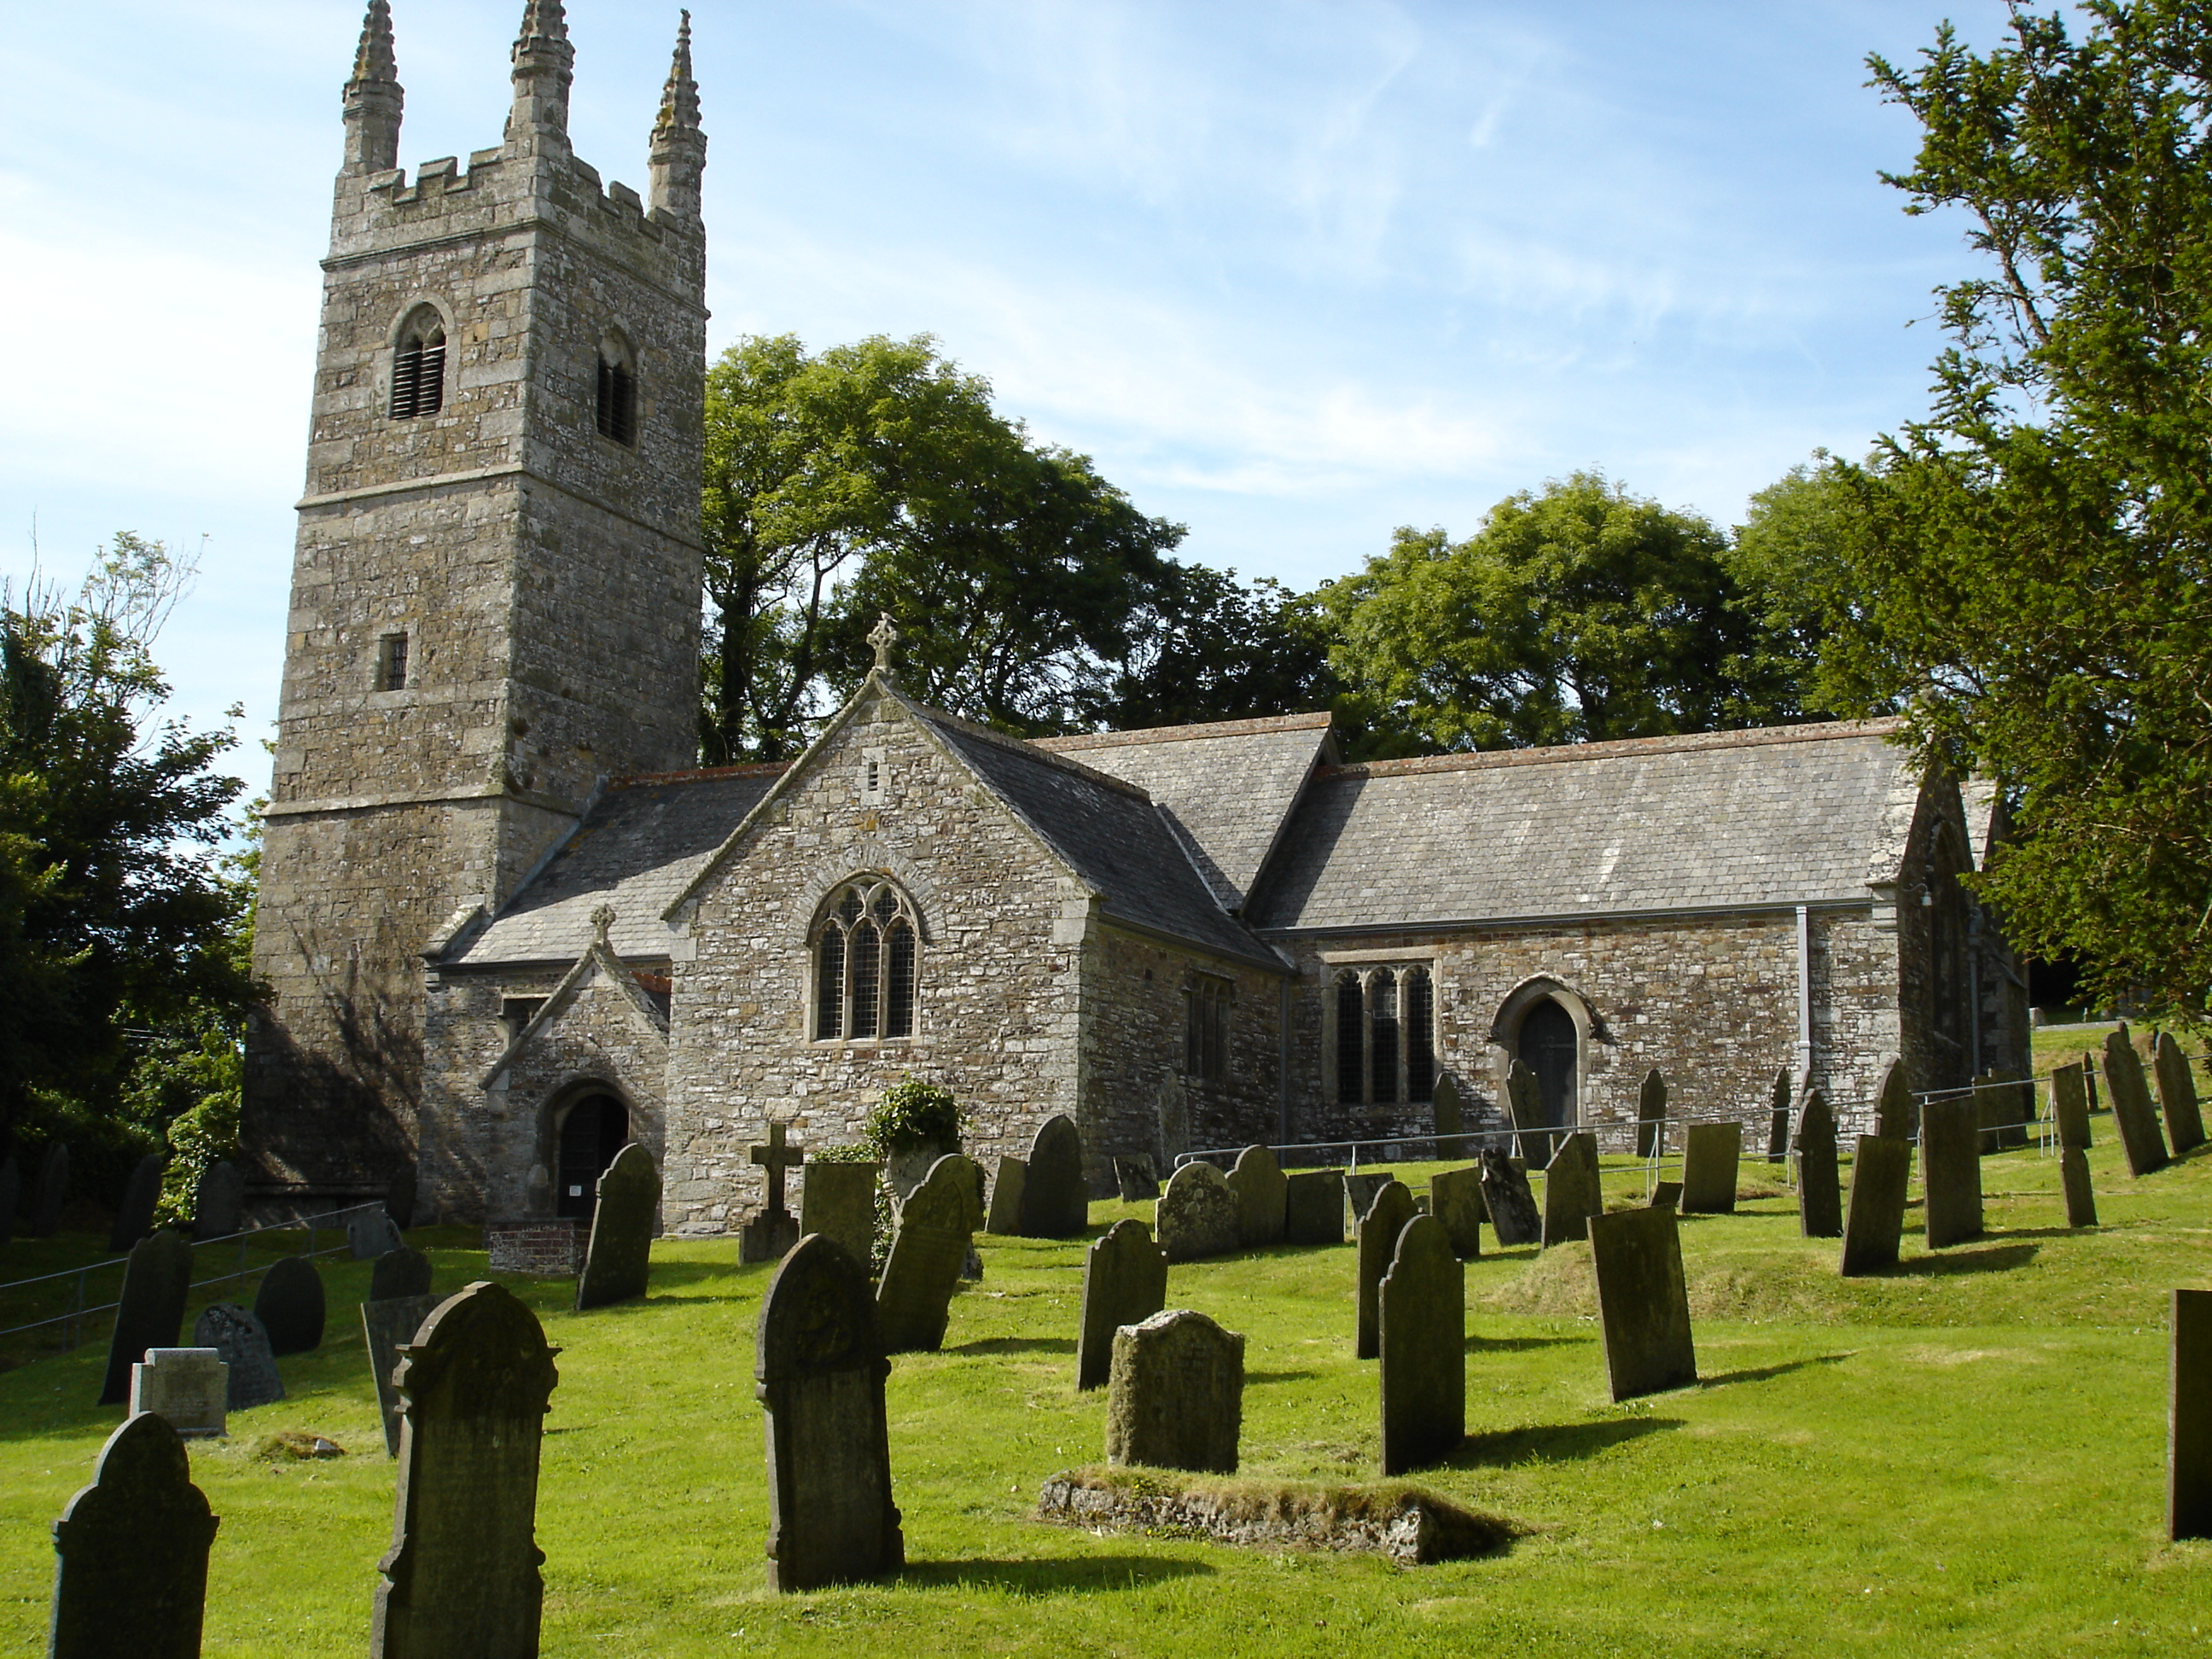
(774, 1230)
(1873, 1214)
(1455, 1200)
(1056, 1204)
(1666, 1195)
(219, 1200)
(2189, 1419)
(2177, 1095)
(2003, 1103)
(1511, 1205)
(11, 1193)
(402, 1271)
(819, 1371)
(936, 1225)
(2089, 1058)
(1175, 1396)
(150, 1311)
(1197, 1214)
(1893, 1116)
(1711, 1154)
(387, 1325)
(369, 1232)
(1571, 1191)
(1257, 1182)
(1360, 1186)
(1136, 1178)
(1643, 1302)
(237, 1337)
(132, 1547)
(839, 1200)
(1005, 1216)
(134, 1216)
(1524, 1103)
(1125, 1282)
(186, 1388)
(1650, 1115)
(2141, 1138)
(53, 1191)
(1174, 1112)
(1312, 1207)
(462, 1574)
(2070, 1104)
(1777, 1117)
(399, 1197)
(290, 1307)
(1377, 1237)
(1951, 1169)
(618, 1256)
(2073, 1179)
(1423, 1308)
(1451, 1117)
(1819, 1184)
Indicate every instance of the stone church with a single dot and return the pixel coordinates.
(509, 927)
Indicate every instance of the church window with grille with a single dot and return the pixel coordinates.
(391, 663)
(617, 399)
(865, 964)
(418, 371)
(1384, 1042)
(1205, 1028)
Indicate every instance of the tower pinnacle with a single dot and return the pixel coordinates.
(544, 64)
(373, 96)
(679, 148)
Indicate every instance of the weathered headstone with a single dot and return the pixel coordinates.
(188, 1389)
(1651, 1113)
(1125, 1282)
(289, 1305)
(1377, 1237)
(2070, 1104)
(387, 1326)
(399, 1197)
(2073, 1179)
(839, 1200)
(1571, 1190)
(1820, 1183)
(1312, 1207)
(2177, 1095)
(618, 1257)
(2003, 1104)
(236, 1335)
(1423, 1310)
(936, 1225)
(1512, 1206)
(1197, 1215)
(1893, 1116)
(1004, 1214)
(1455, 1200)
(1524, 1104)
(132, 1576)
(2089, 1059)
(769, 1234)
(402, 1271)
(1175, 1394)
(1257, 1182)
(150, 1310)
(2189, 1419)
(1360, 1186)
(2141, 1138)
(819, 1371)
(1451, 1117)
(1711, 1154)
(1873, 1214)
(219, 1200)
(462, 1574)
(1777, 1117)
(1951, 1169)
(1174, 1115)
(11, 1193)
(1643, 1302)
(1666, 1195)
(1054, 1202)
(1136, 1178)
(369, 1233)
(134, 1216)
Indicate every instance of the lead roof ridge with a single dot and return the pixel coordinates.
(1679, 743)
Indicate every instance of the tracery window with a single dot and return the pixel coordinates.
(865, 963)
(1385, 1045)
(418, 370)
(1205, 1028)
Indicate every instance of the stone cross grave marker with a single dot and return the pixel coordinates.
(1571, 1191)
(1820, 1183)
(1312, 1207)
(290, 1306)
(461, 1579)
(2070, 1104)
(2189, 1419)
(1524, 1104)
(1423, 1383)
(1511, 1205)
(1651, 1113)
(1378, 1236)
(369, 1232)
(618, 1256)
(1711, 1154)
(1004, 1216)
(1643, 1302)
(1056, 1204)
(839, 1200)
(1951, 1167)
(1455, 1200)
(1196, 1216)
(1258, 1182)
(819, 1371)
(936, 1225)
(1450, 1117)
(53, 1191)
(11, 1193)
(188, 1389)
(2177, 1095)
(1874, 1216)
(1175, 1396)
(388, 1324)
(132, 1548)
(1125, 1282)
(774, 1230)
(2141, 1138)
(1777, 1116)
(150, 1310)
(1136, 1178)
(2073, 1179)
(1893, 1116)
(1360, 1186)
(237, 1337)
(219, 1200)
(402, 1271)
(134, 1216)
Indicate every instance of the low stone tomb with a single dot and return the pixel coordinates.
(1711, 1154)
(1378, 1236)
(1666, 1195)
(134, 1216)
(1137, 1178)
(618, 1258)
(1312, 1207)
(1894, 1118)
(2188, 1419)
(1257, 1182)
(219, 1200)
(150, 1311)
(1451, 1117)
(1125, 1282)
(462, 1574)
(1422, 1304)
(387, 1325)
(402, 1271)
(1643, 1302)
(1360, 1186)
(11, 1193)
(1056, 1204)
(1455, 1200)
(130, 1577)
(2177, 1095)
(1951, 1169)
(369, 1232)
(1572, 1193)
(1174, 1397)
(188, 1389)
(819, 1371)
(290, 1306)
(238, 1339)
(1197, 1215)
(839, 1202)
(46, 1206)
(1651, 1113)
(1512, 1206)
(2141, 1138)
(1777, 1117)
(1820, 1183)
(2070, 1104)
(936, 1226)
(1004, 1217)
(774, 1230)
(2080, 1196)
(1873, 1214)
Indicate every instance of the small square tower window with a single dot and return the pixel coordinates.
(391, 663)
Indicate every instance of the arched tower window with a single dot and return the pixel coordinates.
(418, 367)
(616, 412)
(865, 963)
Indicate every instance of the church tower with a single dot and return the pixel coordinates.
(495, 588)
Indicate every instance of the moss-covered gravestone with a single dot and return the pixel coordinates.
(1257, 1181)
(839, 1199)
(2070, 1104)
(2177, 1095)
(1512, 1206)
(461, 1579)
(1951, 1167)
(1710, 1154)
(188, 1389)
(819, 1371)
(134, 1216)
(131, 1576)
(618, 1257)
(1125, 1282)
(1643, 1302)
(1003, 1215)
(2073, 1179)
(1571, 1191)
(1312, 1207)
(2133, 1116)
(1874, 1215)
(236, 1335)
(388, 1324)
(1422, 1305)
(150, 1311)
(1455, 1200)
(1360, 1186)
(290, 1306)
(1197, 1215)
(1056, 1204)
(219, 1200)
(1136, 1178)
(936, 1225)
(1378, 1238)
(2189, 1419)
(1176, 1394)
(1819, 1184)
(1650, 1115)
(1893, 1116)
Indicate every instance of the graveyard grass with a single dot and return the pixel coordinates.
(1967, 1457)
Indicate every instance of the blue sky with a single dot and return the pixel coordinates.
(1292, 273)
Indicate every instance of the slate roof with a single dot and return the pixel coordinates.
(1788, 815)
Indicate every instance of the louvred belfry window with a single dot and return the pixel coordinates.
(617, 402)
(865, 963)
(418, 374)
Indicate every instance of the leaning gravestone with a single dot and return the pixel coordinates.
(2140, 1135)
(1893, 1116)
(1951, 1167)
(151, 1310)
(402, 1271)
(774, 1230)
(11, 1193)
(1571, 1193)
(462, 1574)
(237, 1336)
(1524, 1104)
(1004, 1215)
(1666, 1195)
(387, 1325)
(1137, 1178)
(219, 1200)
(1874, 1216)
(1777, 1117)
(1711, 1154)
(1056, 1204)
(188, 1389)
(369, 1233)
(936, 1225)
(618, 1257)
(1379, 1228)
(2070, 1104)
(819, 1372)
(1455, 1200)
(2073, 1178)
(1643, 1302)
(1360, 1186)
(1651, 1114)
(1196, 1216)
(1422, 1306)
(289, 1305)
(1175, 1398)
(1819, 1186)
(1257, 1182)
(1125, 1282)
(1312, 1207)
(134, 1217)
(53, 1191)
(839, 1200)
(1511, 1205)
(131, 1576)
(2177, 1095)
(1451, 1117)
(2188, 1419)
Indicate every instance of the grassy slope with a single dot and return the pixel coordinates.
(1966, 1457)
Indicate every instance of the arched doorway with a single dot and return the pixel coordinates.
(592, 1131)
(1548, 1048)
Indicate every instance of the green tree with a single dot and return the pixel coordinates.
(1209, 647)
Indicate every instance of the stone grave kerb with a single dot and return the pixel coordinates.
(130, 1576)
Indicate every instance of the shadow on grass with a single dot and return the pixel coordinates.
(1280, 1377)
(1015, 1344)
(1997, 1259)
(1768, 1373)
(1061, 1575)
(1553, 1443)
(1521, 1344)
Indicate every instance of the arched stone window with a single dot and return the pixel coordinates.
(1385, 1045)
(865, 966)
(616, 410)
(418, 366)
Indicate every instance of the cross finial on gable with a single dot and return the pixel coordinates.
(884, 635)
(603, 921)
